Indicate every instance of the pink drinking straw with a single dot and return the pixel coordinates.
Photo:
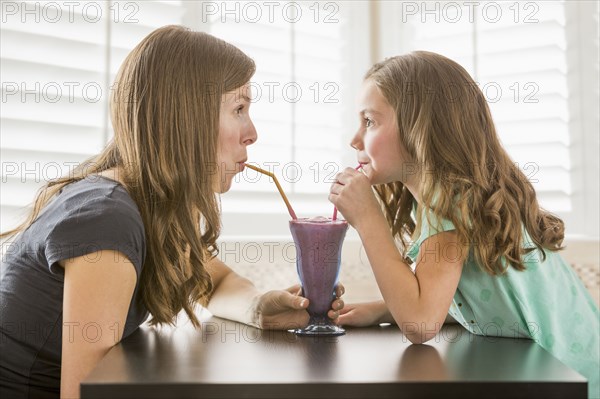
(335, 208)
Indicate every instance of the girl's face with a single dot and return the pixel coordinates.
(236, 132)
(377, 140)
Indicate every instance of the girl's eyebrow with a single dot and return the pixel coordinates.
(370, 111)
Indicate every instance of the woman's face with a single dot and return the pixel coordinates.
(236, 132)
(377, 140)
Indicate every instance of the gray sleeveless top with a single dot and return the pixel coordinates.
(87, 216)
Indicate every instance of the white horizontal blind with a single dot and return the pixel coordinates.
(523, 59)
(50, 120)
(300, 49)
(58, 61)
(269, 42)
(320, 50)
(516, 52)
(436, 27)
(135, 21)
(52, 49)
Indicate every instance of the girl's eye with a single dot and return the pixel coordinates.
(239, 109)
(368, 122)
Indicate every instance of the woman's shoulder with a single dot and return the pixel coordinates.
(92, 214)
(93, 186)
(94, 195)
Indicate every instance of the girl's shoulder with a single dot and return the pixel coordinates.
(428, 224)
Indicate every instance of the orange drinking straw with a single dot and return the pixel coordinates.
(287, 203)
(334, 208)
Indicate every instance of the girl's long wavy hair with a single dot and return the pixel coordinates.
(164, 108)
(466, 176)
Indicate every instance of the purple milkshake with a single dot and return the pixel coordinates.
(318, 255)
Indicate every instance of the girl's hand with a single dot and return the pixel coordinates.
(351, 193)
(364, 314)
(286, 309)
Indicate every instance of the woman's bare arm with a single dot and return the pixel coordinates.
(236, 298)
(97, 294)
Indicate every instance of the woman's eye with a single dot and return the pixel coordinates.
(239, 109)
(368, 122)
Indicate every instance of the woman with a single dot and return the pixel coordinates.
(133, 231)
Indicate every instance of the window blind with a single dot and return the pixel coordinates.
(48, 121)
(301, 56)
(59, 60)
(527, 61)
(516, 52)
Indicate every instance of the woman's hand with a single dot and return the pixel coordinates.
(365, 314)
(351, 193)
(286, 309)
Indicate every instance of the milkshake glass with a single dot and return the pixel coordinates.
(318, 254)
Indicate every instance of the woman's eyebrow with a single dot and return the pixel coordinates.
(236, 98)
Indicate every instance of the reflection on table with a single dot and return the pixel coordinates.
(227, 359)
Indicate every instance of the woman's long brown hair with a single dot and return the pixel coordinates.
(165, 113)
(466, 176)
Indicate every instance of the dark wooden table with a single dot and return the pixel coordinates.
(232, 360)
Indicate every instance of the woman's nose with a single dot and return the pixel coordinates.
(250, 135)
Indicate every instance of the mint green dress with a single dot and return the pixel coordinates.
(547, 303)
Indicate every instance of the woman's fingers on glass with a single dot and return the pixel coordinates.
(333, 314)
(340, 290)
(337, 304)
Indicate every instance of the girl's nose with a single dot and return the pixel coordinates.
(356, 142)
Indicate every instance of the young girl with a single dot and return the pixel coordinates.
(484, 251)
(133, 231)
